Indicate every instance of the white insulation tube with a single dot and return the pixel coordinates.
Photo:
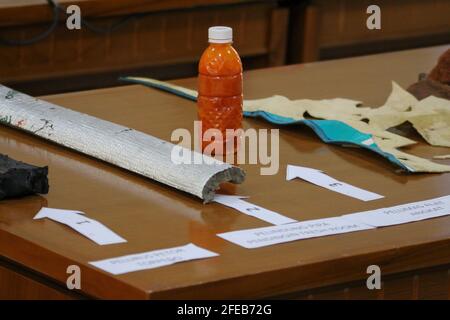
(124, 147)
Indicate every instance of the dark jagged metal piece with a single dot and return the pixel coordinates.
(19, 179)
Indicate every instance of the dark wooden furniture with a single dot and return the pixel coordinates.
(329, 29)
(414, 258)
(162, 38)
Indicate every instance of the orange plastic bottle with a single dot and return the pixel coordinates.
(220, 87)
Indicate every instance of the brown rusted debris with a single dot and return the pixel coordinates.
(437, 83)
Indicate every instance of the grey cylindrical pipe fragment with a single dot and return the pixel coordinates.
(124, 147)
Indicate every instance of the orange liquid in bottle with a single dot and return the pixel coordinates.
(220, 90)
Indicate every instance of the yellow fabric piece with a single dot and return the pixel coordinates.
(430, 117)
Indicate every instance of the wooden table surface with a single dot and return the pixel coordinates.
(152, 216)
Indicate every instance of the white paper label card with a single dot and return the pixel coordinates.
(352, 191)
(90, 228)
(153, 259)
(250, 209)
(322, 180)
(262, 237)
(45, 212)
(405, 213)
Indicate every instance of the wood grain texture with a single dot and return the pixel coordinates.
(278, 37)
(343, 22)
(342, 32)
(164, 44)
(17, 286)
(16, 12)
(304, 34)
(160, 39)
(425, 284)
(151, 216)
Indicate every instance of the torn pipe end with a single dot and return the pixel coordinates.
(232, 174)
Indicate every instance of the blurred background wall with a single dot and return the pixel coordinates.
(165, 38)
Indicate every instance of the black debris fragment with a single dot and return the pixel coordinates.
(20, 179)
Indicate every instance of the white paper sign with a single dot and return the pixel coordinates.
(322, 180)
(250, 209)
(152, 259)
(261, 237)
(90, 228)
(405, 213)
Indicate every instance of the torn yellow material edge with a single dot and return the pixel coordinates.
(430, 117)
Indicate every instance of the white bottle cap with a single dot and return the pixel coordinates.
(220, 34)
